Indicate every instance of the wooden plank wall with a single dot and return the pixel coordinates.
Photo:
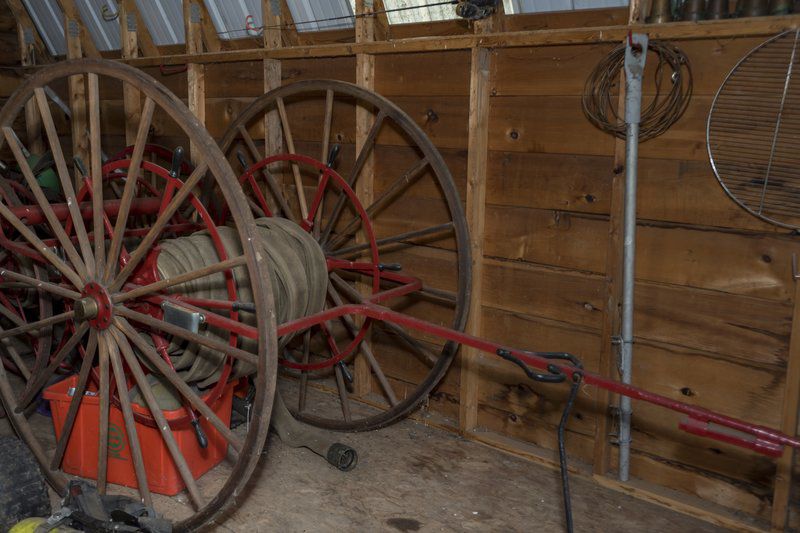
(714, 286)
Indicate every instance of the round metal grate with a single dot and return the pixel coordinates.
(753, 131)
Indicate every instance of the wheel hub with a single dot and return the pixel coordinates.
(95, 306)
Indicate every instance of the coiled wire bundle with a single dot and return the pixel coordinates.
(666, 107)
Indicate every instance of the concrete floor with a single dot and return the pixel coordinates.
(416, 478)
(412, 477)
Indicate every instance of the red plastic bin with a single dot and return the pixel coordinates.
(80, 458)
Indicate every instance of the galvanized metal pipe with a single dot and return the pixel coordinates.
(635, 55)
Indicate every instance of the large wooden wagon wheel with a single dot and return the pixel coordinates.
(102, 248)
(413, 225)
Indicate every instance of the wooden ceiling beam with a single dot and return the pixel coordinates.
(751, 27)
(73, 16)
(382, 28)
(211, 38)
(28, 31)
(289, 31)
(143, 37)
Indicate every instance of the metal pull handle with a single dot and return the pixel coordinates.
(177, 162)
(333, 155)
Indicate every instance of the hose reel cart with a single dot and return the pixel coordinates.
(184, 284)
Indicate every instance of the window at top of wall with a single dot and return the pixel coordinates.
(49, 21)
(316, 15)
(164, 20)
(410, 11)
(513, 7)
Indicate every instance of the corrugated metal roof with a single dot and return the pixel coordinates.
(543, 6)
(164, 19)
(49, 21)
(105, 33)
(230, 17)
(310, 15)
(422, 13)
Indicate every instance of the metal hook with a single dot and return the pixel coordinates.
(795, 275)
(107, 14)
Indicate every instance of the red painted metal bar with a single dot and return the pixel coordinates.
(768, 437)
(701, 421)
(33, 214)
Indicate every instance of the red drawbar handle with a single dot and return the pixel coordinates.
(731, 436)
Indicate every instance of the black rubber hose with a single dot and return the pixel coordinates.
(577, 377)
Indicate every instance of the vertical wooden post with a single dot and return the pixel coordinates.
(192, 17)
(477, 168)
(271, 15)
(365, 77)
(130, 48)
(77, 91)
(789, 413)
(613, 270)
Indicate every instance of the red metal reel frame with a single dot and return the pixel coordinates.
(147, 272)
(157, 150)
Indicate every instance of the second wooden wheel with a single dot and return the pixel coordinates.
(303, 151)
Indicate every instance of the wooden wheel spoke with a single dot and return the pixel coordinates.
(344, 397)
(74, 404)
(40, 247)
(41, 376)
(52, 220)
(96, 172)
(272, 183)
(187, 335)
(365, 347)
(158, 415)
(361, 160)
(103, 395)
(39, 284)
(127, 416)
(406, 238)
(156, 229)
(326, 128)
(49, 321)
(427, 356)
(130, 188)
(65, 178)
(298, 181)
(7, 310)
(160, 285)
(380, 203)
(181, 386)
(12, 352)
